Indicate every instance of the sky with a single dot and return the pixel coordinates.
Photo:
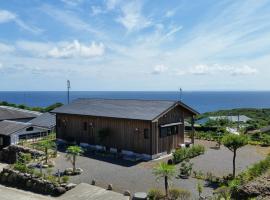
(134, 45)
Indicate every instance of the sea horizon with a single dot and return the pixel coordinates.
(202, 101)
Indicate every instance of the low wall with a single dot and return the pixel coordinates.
(30, 182)
(9, 154)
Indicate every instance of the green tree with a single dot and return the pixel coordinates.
(72, 153)
(163, 170)
(234, 142)
(46, 145)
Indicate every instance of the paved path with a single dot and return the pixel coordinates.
(85, 191)
(7, 193)
(82, 191)
(138, 177)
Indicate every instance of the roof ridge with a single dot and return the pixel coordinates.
(16, 122)
(20, 110)
(126, 99)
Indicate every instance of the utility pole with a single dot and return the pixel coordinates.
(68, 88)
(180, 90)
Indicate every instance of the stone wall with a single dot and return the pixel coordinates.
(9, 154)
(30, 182)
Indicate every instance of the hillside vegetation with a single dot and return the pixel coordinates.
(260, 117)
(40, 109)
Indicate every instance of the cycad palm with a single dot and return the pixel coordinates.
(72, 153)
(163, 170)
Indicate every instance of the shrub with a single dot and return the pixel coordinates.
(186, 153)
(185, 168)
(222, 193)
(155, 194)
(266, 140)
(180, 194)
(65, 179)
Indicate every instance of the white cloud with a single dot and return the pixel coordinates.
(170, 13)
(95, 10)
(244, 70)
(111, 4)
(72, 2)
(200, 70)
(34, 48)
(6, 48)
(173, 31)
(6, 16)
(77, 49)
(222, 69)
(159, 69)
(70, 19)
(132, 18)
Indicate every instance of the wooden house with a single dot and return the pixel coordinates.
(148, 128)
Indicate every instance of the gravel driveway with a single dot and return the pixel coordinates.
(125, 175)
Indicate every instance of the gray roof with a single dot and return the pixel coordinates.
(46, 120)
(232, 118)
(7, 112)
(119, 108)
(8, 127)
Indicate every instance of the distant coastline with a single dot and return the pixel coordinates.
(203, 101)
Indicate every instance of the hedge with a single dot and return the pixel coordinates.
(186, 153)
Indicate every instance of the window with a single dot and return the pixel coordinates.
(30, 129)
(146, 133)
(1, 141)
(85, 126)
(167, 131)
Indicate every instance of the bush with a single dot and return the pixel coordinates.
(65, 179)
(180, 194)
(185, 169)
(253, 172)
(266, 140)
(155, 194)
(186, 153)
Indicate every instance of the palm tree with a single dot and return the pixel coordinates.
(72, 153)
(163, 170)
(46, 145)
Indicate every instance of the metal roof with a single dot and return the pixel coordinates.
(8, 127)
(47, 120)
(120, 108)
(7, 112)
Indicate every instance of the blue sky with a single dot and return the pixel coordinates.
(135, 45)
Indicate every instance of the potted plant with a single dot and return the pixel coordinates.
(185, 169)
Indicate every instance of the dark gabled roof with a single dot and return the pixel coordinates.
(8, 127)
(46, 120)
(120, 108)
(11, 113)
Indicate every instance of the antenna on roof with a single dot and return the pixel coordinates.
(180, 93)
(68, 88)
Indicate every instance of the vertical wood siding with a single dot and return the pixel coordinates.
(125, 134)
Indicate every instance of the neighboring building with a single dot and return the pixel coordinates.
(146, 127)
(231, 118)
(12, 132)
(45, 120)
(17, 114)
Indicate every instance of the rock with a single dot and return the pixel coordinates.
(140, 196)
(59, 190)
(257, 188)
(110, 187)
(127, 193)
(70, 186)
(93, 182)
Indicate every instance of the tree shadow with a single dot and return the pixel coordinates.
(116, 159)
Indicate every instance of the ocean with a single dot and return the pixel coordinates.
(201, 101)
